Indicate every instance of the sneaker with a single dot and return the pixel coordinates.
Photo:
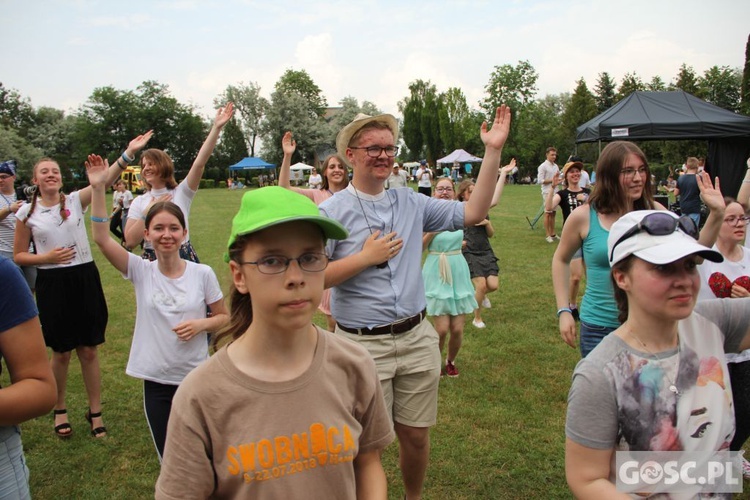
(550, 239)
(574, 312)
(450, 369)
(745, 468)
(478, 324)
(486, 303)
(556, 237)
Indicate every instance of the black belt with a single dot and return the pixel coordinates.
(395, 328)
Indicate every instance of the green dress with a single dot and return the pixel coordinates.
(448, 290)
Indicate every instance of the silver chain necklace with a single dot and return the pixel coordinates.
(672, 385)
(361, 206)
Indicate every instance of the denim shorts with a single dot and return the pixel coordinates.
(591, 335)
(14, 475)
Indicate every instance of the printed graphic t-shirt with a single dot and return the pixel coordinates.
(233, 436)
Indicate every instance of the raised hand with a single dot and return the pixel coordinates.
(556, 180)
(223, 115)
(288, 144)
(96, 169)
(509, 167)
(710, 193)
(139, 143)
(495, 137)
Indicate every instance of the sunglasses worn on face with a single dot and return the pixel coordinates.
(659, 224)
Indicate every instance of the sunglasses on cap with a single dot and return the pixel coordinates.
(659, 224)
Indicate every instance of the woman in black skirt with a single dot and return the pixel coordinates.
(71, 303)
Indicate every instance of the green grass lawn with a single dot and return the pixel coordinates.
(500, 431)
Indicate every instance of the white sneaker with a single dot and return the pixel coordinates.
(550, 239)
(486, 303)
(478, 324)
(556, 237)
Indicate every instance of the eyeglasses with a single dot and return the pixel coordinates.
(659, 224)
(275, 264)
(375, 151)
(4, 177)
(442, 189)
(629, 173)
(733, 220)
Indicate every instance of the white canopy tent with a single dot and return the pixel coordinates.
(299, 170)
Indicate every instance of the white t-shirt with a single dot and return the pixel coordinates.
(125, 196)
(157, 354)
(50, 231)
(730, 271)
(182, 196)
(315, 181)
(424, 175)
(546, 172)
(584, 181)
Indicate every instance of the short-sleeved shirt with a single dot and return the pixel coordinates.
(16, 302)
(8, 224)
(381, 296)
(569, 201)
(621, 399)
(234, 436)
(157, 354)
(182, 196)
(49, 230)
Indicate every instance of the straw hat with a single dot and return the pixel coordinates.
(346, 133)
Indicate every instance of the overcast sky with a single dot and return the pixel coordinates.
(57, 52)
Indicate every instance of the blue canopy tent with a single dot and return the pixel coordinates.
(251, 162)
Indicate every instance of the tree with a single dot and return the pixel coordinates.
(686, 80)
(511, 85)
(656, 84)
(250, 108)
(15, 147)
(582, 108)
(16, 111)
(430, 125)
(631, 82)
(291, 111)
(456, 123)
(230, 149)
(722, 86)
(514, 86)
(539, 129)
(349, 109)
(745, 91)
(412, 108)
(605, 95)
(301, 83)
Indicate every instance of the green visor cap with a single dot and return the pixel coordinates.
(269, 206)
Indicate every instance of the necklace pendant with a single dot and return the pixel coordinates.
(673, 388)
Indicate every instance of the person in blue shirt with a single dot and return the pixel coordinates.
(378, 298)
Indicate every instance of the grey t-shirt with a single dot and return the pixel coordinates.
(620, 397)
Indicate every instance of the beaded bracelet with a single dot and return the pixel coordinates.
(99, 219)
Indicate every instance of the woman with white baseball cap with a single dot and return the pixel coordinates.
(659, 382)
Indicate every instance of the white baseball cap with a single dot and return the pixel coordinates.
(630, 236)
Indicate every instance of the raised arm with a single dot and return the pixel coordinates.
(552, 199)
(743, 195)
(494, 139)
(223, 115)
(714, 200)
(289, 146)
(96, 168)
(114, 170)
(500, 185)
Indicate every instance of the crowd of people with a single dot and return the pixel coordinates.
(283, 406)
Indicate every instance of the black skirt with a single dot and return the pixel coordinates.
(72, 307)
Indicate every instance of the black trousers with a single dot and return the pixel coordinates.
(739, 374)
(157, 402)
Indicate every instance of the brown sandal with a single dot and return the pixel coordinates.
(62, 427)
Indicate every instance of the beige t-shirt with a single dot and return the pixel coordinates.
(233, 436)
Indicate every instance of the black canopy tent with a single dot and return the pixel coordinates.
(677, 115)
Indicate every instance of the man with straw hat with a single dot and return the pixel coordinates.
(378, 297)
